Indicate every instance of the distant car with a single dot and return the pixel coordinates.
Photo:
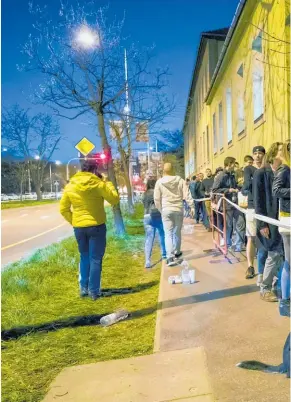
(13, 197)
(28, 196)
(4, 197)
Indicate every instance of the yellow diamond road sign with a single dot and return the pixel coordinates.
(85, 146)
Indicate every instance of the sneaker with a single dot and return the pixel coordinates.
(83, 292)
(148, 265)
(284, 308)
(178, 255)
(95, 296)
(268, 296)
(260, 279)
(170, 262)
(250, 273)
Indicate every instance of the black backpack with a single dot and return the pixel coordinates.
(153, 211)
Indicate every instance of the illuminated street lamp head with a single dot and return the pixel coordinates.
(58, 163)
(87, 38)
(37, 157)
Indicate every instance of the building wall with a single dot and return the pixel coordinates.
(194, 136)
(267, 70)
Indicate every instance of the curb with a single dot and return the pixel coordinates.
(157, 340)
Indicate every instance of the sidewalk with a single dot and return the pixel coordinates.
(223, 314)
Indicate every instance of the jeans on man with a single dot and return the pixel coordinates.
(272, 268)
(235, 218)
(285, 278)
(205, 217)
(198, 211)
(262, 256)
(172, 221)
(152, 225)
(91, 243)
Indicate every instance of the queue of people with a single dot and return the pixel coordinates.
(264, 182)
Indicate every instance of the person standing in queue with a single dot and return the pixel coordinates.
(82, 205)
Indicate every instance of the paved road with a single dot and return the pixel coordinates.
(24, 230)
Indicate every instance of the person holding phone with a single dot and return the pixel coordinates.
(82, 205)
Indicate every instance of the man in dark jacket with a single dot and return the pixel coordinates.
(247, 189)
(269, 241)
(196, 193)
(225, 183)
(206, 188)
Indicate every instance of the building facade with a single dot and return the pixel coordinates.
(240, 91)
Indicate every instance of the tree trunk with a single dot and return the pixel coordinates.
(38, 192)
(118, 220)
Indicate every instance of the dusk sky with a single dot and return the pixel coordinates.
(173, 25)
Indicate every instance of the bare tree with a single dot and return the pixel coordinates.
(32, 138)
(81, 56)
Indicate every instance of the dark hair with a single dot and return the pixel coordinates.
(89, 165)
(187, 180)
(151, 184)
(219, 169)
(193, 177)
(228, 161)
(272, 152)
(248, 158)
(236, 163)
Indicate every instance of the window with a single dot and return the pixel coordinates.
(229, 115)
(214, 134)
(241, 114)
(258, 92)
(220, 118)
(207, 143)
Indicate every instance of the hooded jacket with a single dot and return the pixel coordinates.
(82, 203)
(170, 191)
(266, 204)
(281, 188)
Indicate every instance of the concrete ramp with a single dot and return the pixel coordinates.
(179, 375)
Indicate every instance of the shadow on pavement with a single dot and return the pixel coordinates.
(215, 295)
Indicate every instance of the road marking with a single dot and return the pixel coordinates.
(21, 216)
(33, 237)
(44, 217)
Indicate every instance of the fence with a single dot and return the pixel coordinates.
(218, 214)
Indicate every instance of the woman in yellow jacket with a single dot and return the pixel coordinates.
(82, 205)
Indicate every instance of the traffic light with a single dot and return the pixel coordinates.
(102, 158)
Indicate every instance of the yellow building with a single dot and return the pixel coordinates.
(245, 99)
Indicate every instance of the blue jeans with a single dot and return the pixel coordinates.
(198, 211)
(235, 218)
(285, 278)
(152, 225)
(91, 243)
(262, 257)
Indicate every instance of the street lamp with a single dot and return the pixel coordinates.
(87, 38)
(51, 179)
(37, 157)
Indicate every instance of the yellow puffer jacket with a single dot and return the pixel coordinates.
(82, 203)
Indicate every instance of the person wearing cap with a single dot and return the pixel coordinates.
(269, 241)
(82, 205)
(251, 228)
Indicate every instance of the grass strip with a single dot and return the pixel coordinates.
(25, 203)
(54, 328)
